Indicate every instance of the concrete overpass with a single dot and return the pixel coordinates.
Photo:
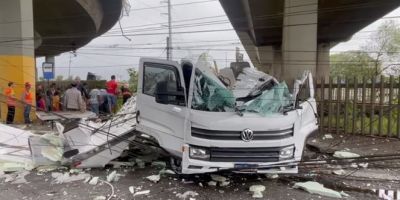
(286, 37)
(31, 28)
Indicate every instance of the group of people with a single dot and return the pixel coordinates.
(48, 100)
(12, 101)
(75, 98)
(105, 100)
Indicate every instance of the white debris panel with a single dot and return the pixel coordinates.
(99, 143)
(14, 149)
(317, 188)
(92, 144)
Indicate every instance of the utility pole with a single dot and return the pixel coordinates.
(169, 38)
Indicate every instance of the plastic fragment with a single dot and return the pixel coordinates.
(154, 178)
(187, 194)
(345, 154)
(48, 168)
(344, 194)
(328, 136)
(87, 180)
(15, 178)
(339, 172)
(100, 198)
(13, 166)
(94, 181)
(144, 192)
(218, 178)
(111, 176)
(131, 189)
(354, 165)
(60, 178)
(166, 171)
(272, 176)
(75, 171)
(20, 179)
(212, 183)
(257, 191)
(52, 153)
(224, 184)
(363, 165)
(317, 188)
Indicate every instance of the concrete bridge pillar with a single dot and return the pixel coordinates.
(17, 61)
(323, 61)
(299, 45)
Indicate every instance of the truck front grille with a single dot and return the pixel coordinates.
(244, 154)
(235, 135)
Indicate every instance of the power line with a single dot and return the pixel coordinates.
(181, 4)
(194, 48)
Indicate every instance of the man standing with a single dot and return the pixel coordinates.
(73, 100)
(49, 97)
(112, 87)
(27, 99)
(94, 101)
(10, 94)
(82, 87)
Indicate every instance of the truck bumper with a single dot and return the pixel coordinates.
(194, 166)
(287, 166)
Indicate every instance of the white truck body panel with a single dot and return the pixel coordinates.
(174, 128)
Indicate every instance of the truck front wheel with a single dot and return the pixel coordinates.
(176, 165)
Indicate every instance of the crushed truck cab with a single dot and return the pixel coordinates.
(238, 119)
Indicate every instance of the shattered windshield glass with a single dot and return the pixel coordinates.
(270, 101)
(249, 90)
(208, 95)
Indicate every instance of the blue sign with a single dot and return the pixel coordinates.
(48, 70)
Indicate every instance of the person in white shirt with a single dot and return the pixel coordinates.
(73, 100)
(94, 100)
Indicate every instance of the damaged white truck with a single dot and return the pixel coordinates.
(238, 119)
(245, 122)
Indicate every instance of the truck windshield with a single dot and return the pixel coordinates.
(209, 94)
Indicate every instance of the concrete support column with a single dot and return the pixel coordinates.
(277, 65)
(323, 61)
(17, 62)
(265, 58)
(299, 45)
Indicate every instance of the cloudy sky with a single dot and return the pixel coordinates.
(114, 54)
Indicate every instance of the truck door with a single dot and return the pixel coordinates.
(306, 97)
(161, 99)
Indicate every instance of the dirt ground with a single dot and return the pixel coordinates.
(357, 182)
(40, 187)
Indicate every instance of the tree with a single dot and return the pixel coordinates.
(133, 79)
(383, 46)
(352, 63)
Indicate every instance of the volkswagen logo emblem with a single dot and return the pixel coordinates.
(247, 135)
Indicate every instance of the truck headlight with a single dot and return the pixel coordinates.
(286, 153)
(199, 153)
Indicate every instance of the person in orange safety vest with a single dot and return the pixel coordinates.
(10, 95)
(27, 99)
